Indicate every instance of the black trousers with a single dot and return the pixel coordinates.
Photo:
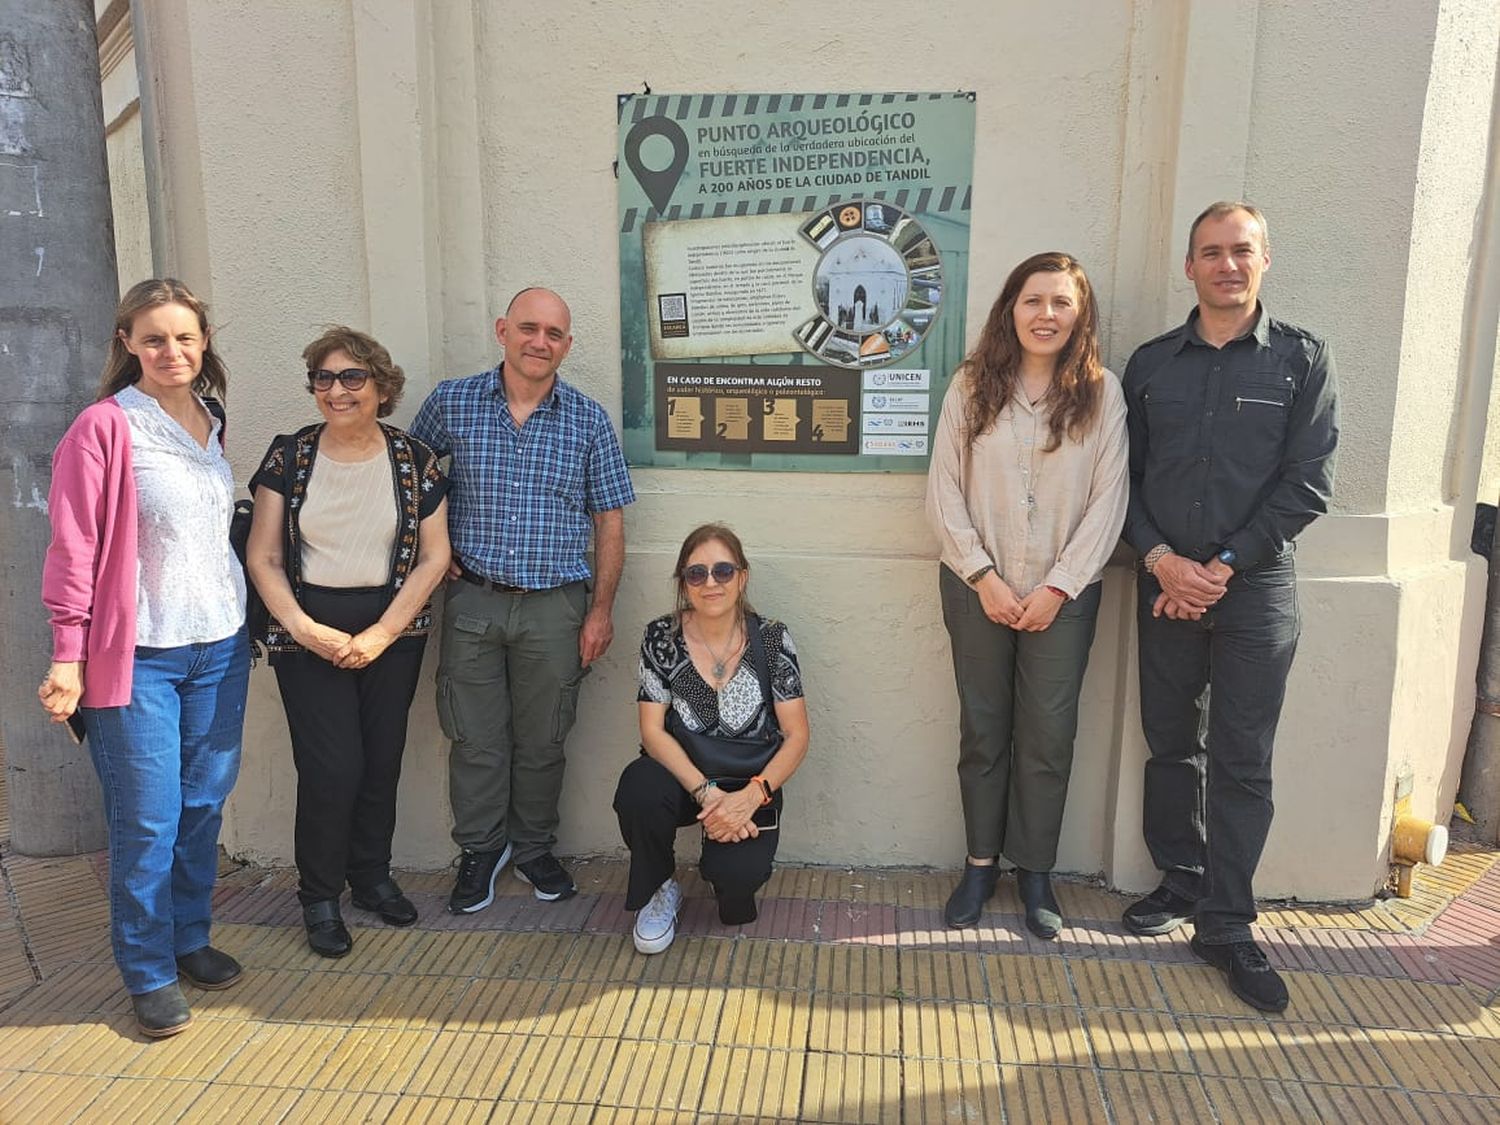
(1207, 808)
(348, 730)
(652, 807)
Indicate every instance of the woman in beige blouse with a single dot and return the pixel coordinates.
(1027, 495)
(350, 538)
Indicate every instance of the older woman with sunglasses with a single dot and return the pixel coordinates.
(723, 728)
(350, 538)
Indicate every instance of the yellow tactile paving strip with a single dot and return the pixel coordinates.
(849, 1024)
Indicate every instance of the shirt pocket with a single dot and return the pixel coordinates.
(558, 469)
(1258, 418)
(1170, 422)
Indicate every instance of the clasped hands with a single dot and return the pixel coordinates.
(1031, 614)
(727, 817)
(342, 649)
(1188, 588)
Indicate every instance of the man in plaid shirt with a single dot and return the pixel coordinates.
(535, 466)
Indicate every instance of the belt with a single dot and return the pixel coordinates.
(489, 583)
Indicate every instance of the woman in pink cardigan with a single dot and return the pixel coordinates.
(148, 609)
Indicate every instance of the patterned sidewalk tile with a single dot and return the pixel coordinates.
(847, 1000)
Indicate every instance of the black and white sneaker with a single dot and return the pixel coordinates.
(474, 889)
(549, 879)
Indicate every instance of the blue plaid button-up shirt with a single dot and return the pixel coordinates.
(523, 498)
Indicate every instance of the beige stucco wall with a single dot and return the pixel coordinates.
(406, 166)
(124, 145)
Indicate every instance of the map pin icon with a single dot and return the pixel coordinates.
(658, 186)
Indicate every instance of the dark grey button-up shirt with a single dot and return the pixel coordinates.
(1233, 446)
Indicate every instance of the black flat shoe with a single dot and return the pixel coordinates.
(386, 899)
(161, 1012)
(976, 888)
(1043, 915)
(326, 935)
(209, 968)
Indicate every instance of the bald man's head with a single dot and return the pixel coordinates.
(536, 333)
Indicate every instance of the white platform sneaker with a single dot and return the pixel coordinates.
(656, 922)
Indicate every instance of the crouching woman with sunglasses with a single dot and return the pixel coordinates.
(723, 727)
(350, 538)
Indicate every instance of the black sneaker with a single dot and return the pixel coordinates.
(1160, 912)
(1251, 977)
(474, 889)
(549, 879)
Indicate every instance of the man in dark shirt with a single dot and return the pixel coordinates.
(1233, 424)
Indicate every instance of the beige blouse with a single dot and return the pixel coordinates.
(1042, 519)
(348, 522)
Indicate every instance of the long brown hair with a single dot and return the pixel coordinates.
(993, 368)
(708, 533)
(121, 369)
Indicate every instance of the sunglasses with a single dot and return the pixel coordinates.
(352, 379)
(697, 574)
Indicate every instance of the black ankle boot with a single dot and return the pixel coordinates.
(1043, 915)
(976, 888)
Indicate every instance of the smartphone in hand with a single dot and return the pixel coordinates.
(76, 730)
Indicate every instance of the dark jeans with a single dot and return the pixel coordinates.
(348, 728)
(651, 807)
(1208, 784)
(1018, 713)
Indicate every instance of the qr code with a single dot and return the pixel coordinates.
(673, 306)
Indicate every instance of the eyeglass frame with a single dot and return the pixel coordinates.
(717, 572)
(359, 378)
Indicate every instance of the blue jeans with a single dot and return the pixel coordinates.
(166, 762)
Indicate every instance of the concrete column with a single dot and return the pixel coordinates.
(57, 300)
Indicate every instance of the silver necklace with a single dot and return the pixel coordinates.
(721, 662)
(1026, 464)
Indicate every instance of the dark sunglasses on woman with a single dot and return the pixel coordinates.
(352, 379)
(697, 574)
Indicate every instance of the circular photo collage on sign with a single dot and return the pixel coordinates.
(878, 284)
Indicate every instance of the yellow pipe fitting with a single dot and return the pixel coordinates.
(1414, 840)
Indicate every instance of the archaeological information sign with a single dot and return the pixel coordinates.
(793, 276)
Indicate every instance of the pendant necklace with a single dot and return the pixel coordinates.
(1026, 464)
(720, 662)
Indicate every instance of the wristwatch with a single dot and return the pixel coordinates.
(1228, 557)
(980, 573)
(765, 787)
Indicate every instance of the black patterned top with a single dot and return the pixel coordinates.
(667, 675)
(419, 487)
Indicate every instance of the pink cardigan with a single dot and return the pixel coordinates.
(89, 578)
